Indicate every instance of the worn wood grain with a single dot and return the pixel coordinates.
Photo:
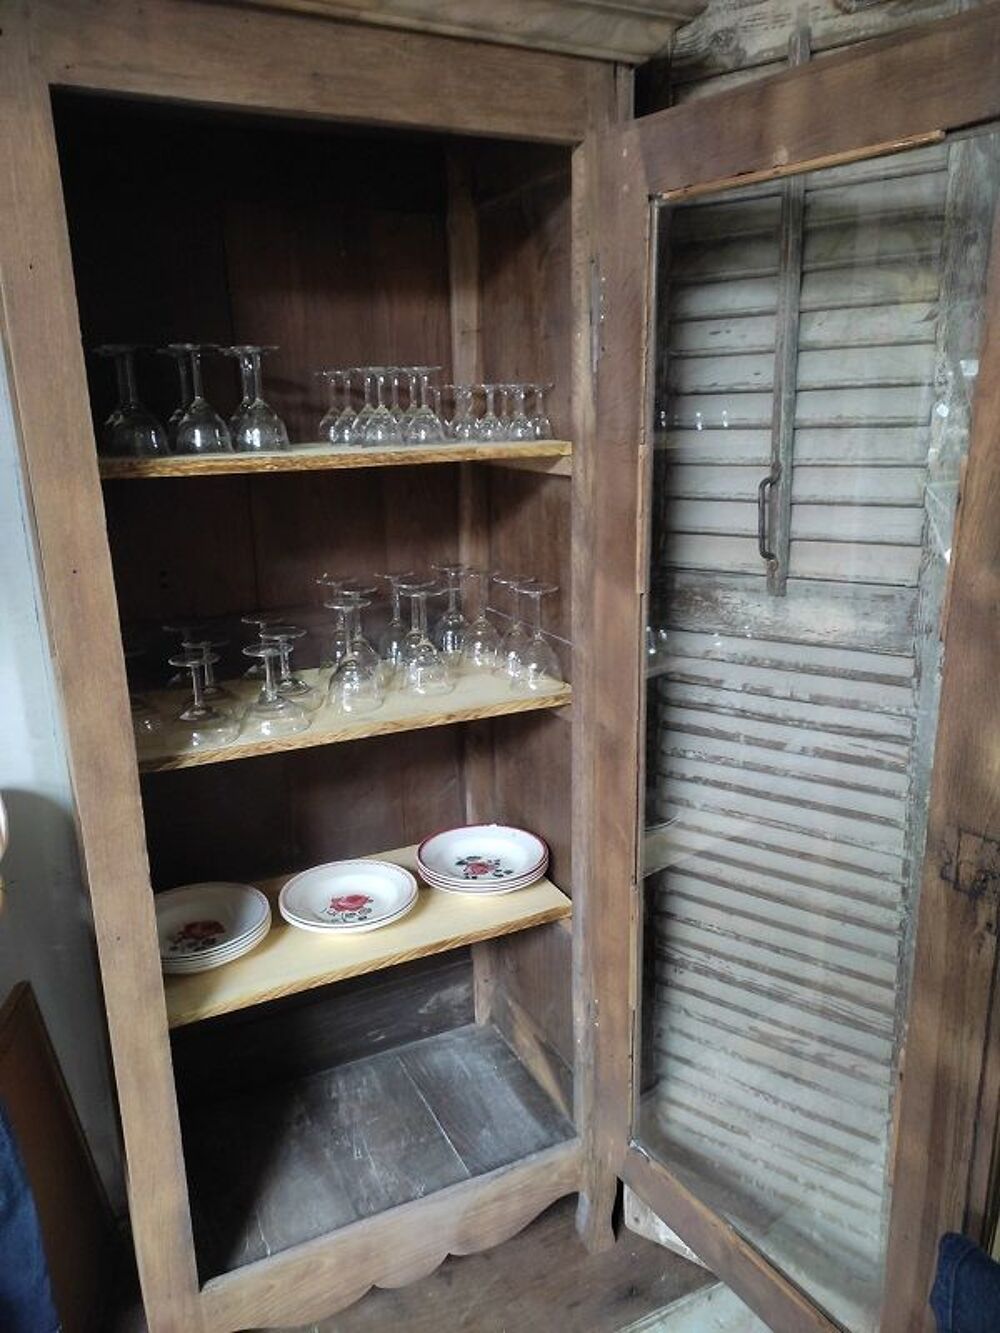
(317, 458)
(290, 64)
(576, 27)
(782, 1306)
(41, 322)
(950, 1025)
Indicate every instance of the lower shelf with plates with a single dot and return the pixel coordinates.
(277, 1167)
(290, 960)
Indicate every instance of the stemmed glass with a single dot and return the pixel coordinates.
(490, 427)
(463, 424)
(147, 724)
(517, 635)
(201, 724)
(337, 423)
(481, 643)
(381, 427)
(256, 670)
(255, 427)
(361, 646)
(200, 429)
(335, 644)
(271, 715)
(449, 632)
(291, 686)
(131, 431)
(538, 665)
(425, 669)
(179, 352)
(540, 423)
(424, 424)
(393, 636)
(356, 682)
(206, 646)
(519, 426)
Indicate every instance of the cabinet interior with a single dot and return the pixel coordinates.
(343, 247)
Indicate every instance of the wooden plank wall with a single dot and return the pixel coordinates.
(793, 736)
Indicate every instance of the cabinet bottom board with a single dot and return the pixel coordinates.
(274, 1168)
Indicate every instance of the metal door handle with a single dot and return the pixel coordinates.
(763, 542)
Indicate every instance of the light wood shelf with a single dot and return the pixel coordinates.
(474, 697)
(321, 457)
(291, 960)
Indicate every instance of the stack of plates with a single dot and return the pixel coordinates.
(205, 925)
(482, 859)
(348, 897)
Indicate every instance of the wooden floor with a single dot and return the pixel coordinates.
(540, 1280)
(272, 1168)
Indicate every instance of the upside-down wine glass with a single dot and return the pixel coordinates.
(540, 423)
(255, 427)
(131, 431)
(393, 636)
(463, 424)
(517, 634)
(201, 724)
(481, 643)
(271, 715)
(381, 428)
(424, 425)
(206, 645)
(334, 644)
(356, 683)
(449, 631)
(519, 425)
(200, 430)
(179, 352)
(360, 645)
(490, 426)
(425, 669)
(256, 670)
(291, 686)
(147, 723)
(538, 666)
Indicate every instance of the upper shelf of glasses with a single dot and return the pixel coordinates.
(320, 457)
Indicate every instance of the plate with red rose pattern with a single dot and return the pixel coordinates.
(348, 897)
(482, 856)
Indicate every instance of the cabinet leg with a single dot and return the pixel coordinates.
(595, 1211)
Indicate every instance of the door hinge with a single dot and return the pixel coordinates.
(596, 315)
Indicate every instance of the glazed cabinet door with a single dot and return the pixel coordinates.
(791, 369)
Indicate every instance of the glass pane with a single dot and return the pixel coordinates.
(821, 333)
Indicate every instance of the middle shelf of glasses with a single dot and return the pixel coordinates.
(474, 696)
(323, 457)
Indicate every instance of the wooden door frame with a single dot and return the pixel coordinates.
(916, 87)
(278, 64)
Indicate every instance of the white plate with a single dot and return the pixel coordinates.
(487, 854)
(200, 962)
(474, 887)
(469, 891)
(348, 896)
(202, 919)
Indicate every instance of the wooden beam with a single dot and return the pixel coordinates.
(939, 76)
(952, 1032)
(41, 329)
(310, 1281)
(298, 65)
(629, 30)
(783, 1308)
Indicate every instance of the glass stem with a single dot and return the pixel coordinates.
(422, 613)
(125, 366)
(197, 690)
(246, 378)
(185, 379)
(256, 386)
(195, 375)
(270, 682)
(285, 648)
(397, 613)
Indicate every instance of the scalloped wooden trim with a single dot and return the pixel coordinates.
(313, 1281)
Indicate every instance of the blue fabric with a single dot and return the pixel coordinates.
(965, 1297)
(25, 1294)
